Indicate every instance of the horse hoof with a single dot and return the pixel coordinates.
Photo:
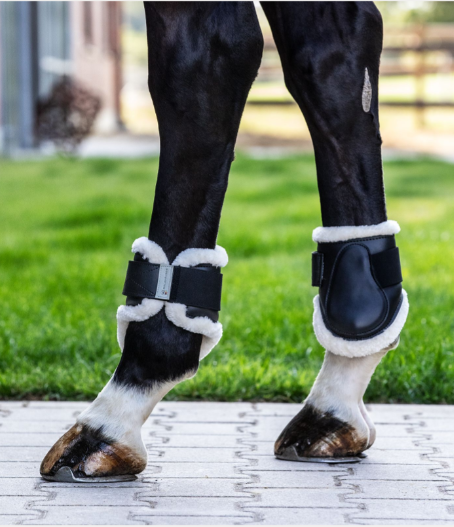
(315, 436)
(86, 455)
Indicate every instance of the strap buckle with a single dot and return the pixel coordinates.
(192, 286)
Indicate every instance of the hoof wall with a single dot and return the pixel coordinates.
(66, 475)
(290, 454)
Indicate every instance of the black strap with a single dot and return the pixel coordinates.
(192, 286)
(386, 266)
(317, 269)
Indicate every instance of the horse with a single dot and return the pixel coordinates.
(202, 60)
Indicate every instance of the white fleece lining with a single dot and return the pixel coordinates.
(211, 331)
(344, 234)
(176, 313)
(150, 251)
(359, 348)
(126, 314)
(191, 257)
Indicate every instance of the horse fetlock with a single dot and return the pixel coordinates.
(106, 440)
(333, 422)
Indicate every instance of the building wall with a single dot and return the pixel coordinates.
(95, 29)
(18, 75)
(40, 42)
(54, 43)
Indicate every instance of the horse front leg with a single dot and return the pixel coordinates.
(203, 59)
(330, 52)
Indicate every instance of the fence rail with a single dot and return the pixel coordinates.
(411, 51)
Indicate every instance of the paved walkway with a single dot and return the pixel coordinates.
(212, 463)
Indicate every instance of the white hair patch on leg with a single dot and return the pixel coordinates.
(120, 411)
(367, 92)
(340, 387)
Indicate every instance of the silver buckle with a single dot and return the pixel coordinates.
(164, 286)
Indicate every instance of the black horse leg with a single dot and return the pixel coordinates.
(330, 53)
(203, 58)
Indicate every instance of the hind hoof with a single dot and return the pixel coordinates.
(315, 436)
(85, 455)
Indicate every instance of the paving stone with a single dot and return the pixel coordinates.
(404, 443)
(21, 469)
(410, 510)
(17, 519)
(213, 506)
(84, 495)
(194, 441)
(209, 411)
(374, 521)
(294, 479)
(45, 415)
(208, 455)
(10, 426)
(20, 486)
(394, 490)
(220, 429)
(196, 520)
(300, 498)
(301, 516)
(194, 487)
(19, 453)
(82, 515)
(387, 472)
(28, 440)
(15, 504)
(270, 463)
(397, 457)
(192, 470)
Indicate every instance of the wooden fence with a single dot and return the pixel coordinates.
(409, 51)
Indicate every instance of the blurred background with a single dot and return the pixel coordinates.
(101, 46)
(78, 163)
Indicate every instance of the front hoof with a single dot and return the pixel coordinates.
(84, 454)
(318, 436)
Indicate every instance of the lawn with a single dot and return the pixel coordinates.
(66, 230)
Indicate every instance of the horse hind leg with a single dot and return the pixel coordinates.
(330, 53)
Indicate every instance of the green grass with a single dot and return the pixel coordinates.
(66, 230)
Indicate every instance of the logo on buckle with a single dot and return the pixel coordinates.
(164, 286)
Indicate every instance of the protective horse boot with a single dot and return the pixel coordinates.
(105, 444)
(359, 313)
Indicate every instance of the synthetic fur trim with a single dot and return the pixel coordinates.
(192, 257)
(150, 251)
(126, 314)
(359, 348)
(211, 331)
(176, 313)
(344, 234)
